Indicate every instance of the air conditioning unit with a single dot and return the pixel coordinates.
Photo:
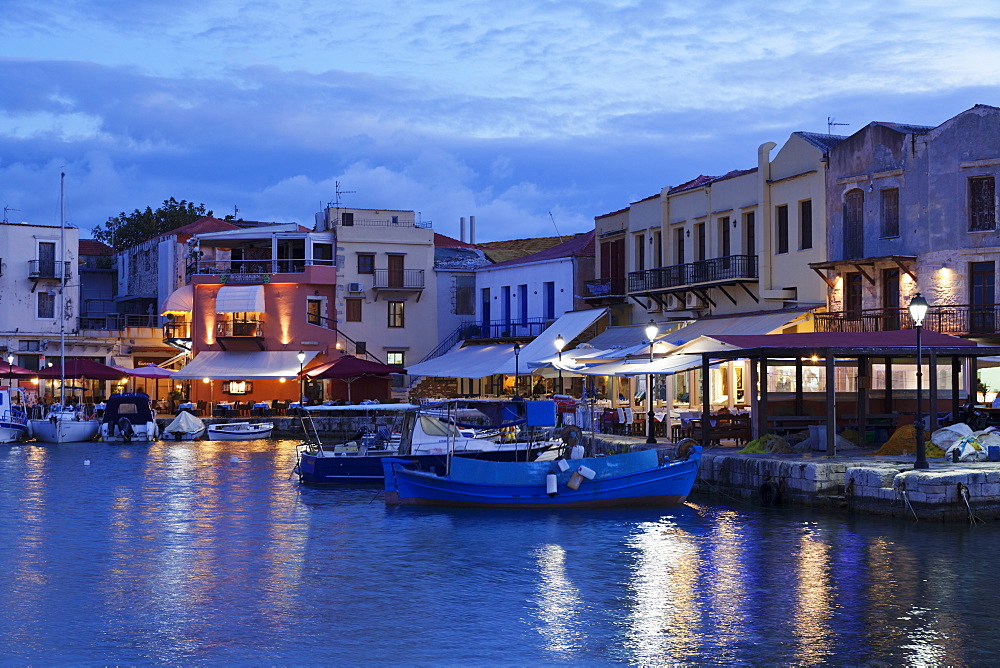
(694, 301)
(675, 303)
(355, 287)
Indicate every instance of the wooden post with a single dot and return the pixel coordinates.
(762, 417)
(864, 383)
(706, 407)
(956, 371)
(799, 399)
(751, 389)
(932, 410)
(831, 405)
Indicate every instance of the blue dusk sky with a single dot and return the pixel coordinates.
(534, 116)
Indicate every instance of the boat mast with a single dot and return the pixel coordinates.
(62, 289)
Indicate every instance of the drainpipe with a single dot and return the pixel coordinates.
(765, 255)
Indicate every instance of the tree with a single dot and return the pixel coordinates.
(128, 229)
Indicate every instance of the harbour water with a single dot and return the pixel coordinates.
(174, 554)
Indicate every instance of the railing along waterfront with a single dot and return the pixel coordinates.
(731, 267)
(957, 319)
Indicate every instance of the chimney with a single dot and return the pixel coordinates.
(461, 227)
(472, 229)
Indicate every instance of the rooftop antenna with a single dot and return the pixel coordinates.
(5, 210)
(236, 211)
(830, 123)
(555, 226)
(335, 204)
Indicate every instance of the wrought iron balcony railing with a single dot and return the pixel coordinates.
(178, 329)
(47, 268)
(960, 319)
(715, 270)
(402, 279)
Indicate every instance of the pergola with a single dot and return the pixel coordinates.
(827, 348)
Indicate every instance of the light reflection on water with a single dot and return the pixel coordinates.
(172, 554)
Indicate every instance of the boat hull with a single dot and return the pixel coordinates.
(663, 485)
(61, 430)
(346, 468)
(184, 435)
(12, 432)
(239, 432)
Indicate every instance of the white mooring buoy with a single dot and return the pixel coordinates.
(234, 460)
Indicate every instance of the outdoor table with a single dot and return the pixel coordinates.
(223, 410)
(261, 409)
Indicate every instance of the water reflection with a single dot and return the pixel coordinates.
(558, 601)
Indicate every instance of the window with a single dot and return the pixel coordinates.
(853, 295)
(890, 212)
(396, 313)
(725, 237)
(465, 295)
(323, 254)
(679, 245)
(522, 298)
(982, 297)
(982, 204)
(484, 296)
(854, 224)
(781, 228)
(750, 233)
(237, 387)
(395, 358)
(702, 241)
(314, 310)
(46, 305)
(640, 252)
(505, 305)
(657, 249)
(366, 263)
(550, 299)
(352, 309)
(805, 224)
(347, 218)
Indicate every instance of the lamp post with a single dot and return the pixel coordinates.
(560, 342)
(10, 370)
(918, 309)
(302, 380)
(651, 330)
(517, 367)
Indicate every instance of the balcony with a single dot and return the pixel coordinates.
(716, 271)
(47, 269)
(252, 271)
(240, 334)
(958, 320)
(605, 290)
(499, 329)
(116, 321)
(398, 279)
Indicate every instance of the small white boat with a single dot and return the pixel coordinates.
(239, 431)
(13, 421)
(184, 427)
(129, 418)
(64, 424)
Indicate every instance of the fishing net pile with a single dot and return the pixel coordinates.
(769, 444)
(904, 442)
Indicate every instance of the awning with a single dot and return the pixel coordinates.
(474, 361)
(478, 361)
(244, 365)
(240, 299)
(662, 366)
(180, 300)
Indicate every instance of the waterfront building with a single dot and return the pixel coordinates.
(254, 298)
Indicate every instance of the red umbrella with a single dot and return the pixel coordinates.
(81, 368)
(15, 371)
(349, 368)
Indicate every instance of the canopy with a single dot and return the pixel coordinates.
(14, 371)
(244, 365)
(240, 299)
(180, 300)
(81, 368)
(149, 371)
(663, 365)
(349, 366)
(874, 343)
(568, 326)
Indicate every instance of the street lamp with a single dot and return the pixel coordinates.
(560, 343)
(302, 380)
(651, 330)
(517, 368)
(10, 370)
(918, 309)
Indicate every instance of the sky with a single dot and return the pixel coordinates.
(535, 116)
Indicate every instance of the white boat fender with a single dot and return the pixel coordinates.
(234, 460)
(551, 484)
(562, 465)
(576, 452)
(86, 462)
(587, 473)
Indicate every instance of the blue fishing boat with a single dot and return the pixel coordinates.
(13, 420)
(641, 478)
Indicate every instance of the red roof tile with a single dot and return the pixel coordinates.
(94, 247)
(581, 245)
